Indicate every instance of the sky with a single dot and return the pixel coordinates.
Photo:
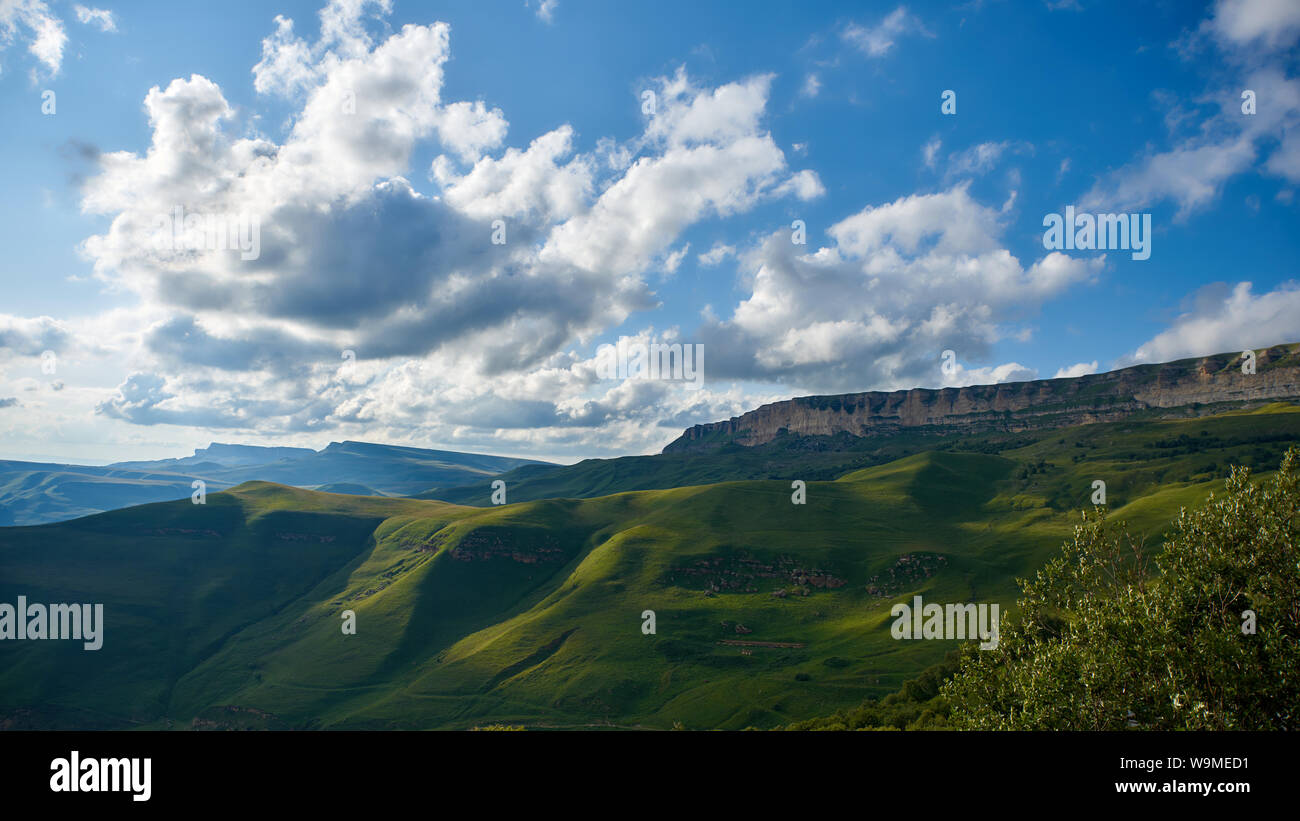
(421, 223)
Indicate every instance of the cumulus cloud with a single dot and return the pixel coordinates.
(898, 284)
(467, 307)
(1271, 24)
(144, 399)
(1078, 369)
(804, 185)
(32, 336)
(989, 375)
(1222, 320)
(713, 159)
(540, 183)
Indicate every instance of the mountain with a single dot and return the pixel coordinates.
(820, 458)
(222, 454)
(36, 493)
(229, 614)
(1188, 387)
(821, 437)
(385, 468)
(39, 492)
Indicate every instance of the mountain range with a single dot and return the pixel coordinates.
(821, 437)
(1187, 387)
(37, 493)
(716, 600)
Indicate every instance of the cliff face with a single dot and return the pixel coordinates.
(1017, 406)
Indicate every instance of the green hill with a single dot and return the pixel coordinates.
(38, 493)
(767, 612)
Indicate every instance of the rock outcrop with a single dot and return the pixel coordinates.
(1185, 387)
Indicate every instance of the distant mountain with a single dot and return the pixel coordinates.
(36, 493)
(1187, 387)
(389, 469)
(220, 454)
(39, 492)
(822, 437)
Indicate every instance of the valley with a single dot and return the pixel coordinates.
(767, 612)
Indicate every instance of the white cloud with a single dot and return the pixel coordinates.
(32, 22)
(286, 67)
(1225, 321)
(717, 254)
(805, 185)
(544, 9)
(899, 283)
(1078, 369)
(101, 18)
(812, 86)
(990, 375)
(1192, 175)
(877, 40)
(32, 336)
(1271, 24)
(1253, 36)
(714, 159)
(978, 159)
(458, 340)
(930, 151)
(674, 260)
(532, 182)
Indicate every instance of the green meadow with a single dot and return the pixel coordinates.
(766, 612)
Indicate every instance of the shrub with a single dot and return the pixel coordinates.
(1106, 639)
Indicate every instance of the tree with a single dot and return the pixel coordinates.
(1104, 638)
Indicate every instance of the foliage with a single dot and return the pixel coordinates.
(1100, 642)
(919, 705)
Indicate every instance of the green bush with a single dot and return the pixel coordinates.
(1106, 639)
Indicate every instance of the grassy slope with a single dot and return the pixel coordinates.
(541, 624)
(812, 460)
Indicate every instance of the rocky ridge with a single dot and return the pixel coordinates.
(1187, 387)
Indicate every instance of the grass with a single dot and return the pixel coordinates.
(530, 614)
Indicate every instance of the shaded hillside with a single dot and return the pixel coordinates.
(768, 613)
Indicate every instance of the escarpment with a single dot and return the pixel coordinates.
(1187, 387)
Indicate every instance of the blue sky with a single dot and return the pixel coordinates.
(924, 230)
